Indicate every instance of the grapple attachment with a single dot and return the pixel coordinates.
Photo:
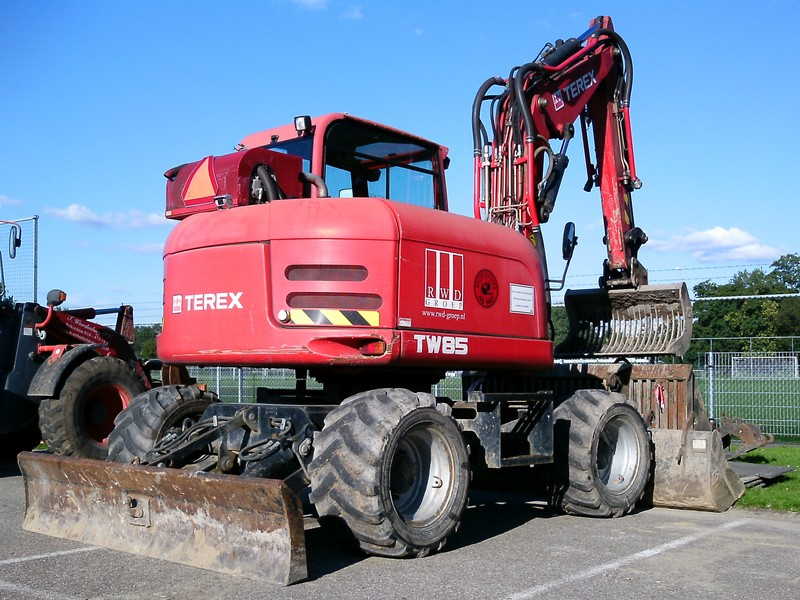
(241, 526)
(651, 320)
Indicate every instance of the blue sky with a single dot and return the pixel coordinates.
(100, 98)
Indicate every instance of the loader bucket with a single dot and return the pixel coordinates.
(651, 320)
(691, 471)
(241, 526)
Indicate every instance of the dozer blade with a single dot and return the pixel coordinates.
(651, 320)
(691, 471)
(241, 526)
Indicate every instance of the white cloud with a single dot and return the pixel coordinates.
(716, 245)
(353, 13)
(137, 219)
(595, 225)
(148, 248)
(133, 219)
(79, 214)
(312, 4)
(6, 201)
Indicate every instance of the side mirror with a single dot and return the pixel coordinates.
(14, 240)
(569, 241)
(568, 244)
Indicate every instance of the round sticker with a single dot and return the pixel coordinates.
(486, 288)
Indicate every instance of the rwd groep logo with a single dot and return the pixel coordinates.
(444, 279)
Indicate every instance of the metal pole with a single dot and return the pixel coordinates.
(241, 381)
(35, 257)
(710, 367)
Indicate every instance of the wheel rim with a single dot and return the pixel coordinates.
(101, 406)
(617, 455)
(421, 476)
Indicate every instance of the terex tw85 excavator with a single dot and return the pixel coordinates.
(326, 247)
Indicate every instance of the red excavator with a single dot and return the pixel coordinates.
(325, 247)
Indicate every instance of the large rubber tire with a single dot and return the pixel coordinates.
(392, 467)
(151, 415)
(602, 455)
(78, 421)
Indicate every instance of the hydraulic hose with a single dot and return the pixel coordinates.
(477, 142)
(268, 182)
(519, 97)
(478, 137)
(628, 68)
(318, 182)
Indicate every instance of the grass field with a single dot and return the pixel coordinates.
(773, 404)
(783, 494)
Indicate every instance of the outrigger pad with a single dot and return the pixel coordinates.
(651, 320)
(237, 525)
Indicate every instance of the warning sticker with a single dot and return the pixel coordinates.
(521, 299)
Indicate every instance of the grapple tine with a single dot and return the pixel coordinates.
(651, 320)
(241, 526)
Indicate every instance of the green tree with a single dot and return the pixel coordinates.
(757, 318)
(560, 323)
(145, 344)
(787, 271)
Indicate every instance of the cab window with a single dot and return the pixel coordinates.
(366, 161)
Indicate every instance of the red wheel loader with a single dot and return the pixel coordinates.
(63, 377)
(325, 247)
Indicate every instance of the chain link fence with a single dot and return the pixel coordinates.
(19, 260)
(235, 384)
(761, 387)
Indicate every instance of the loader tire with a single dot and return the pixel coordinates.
(602, 455)
(78, 421)
(391, 468)
(151, 415)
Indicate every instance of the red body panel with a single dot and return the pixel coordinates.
(318, 282)
(191, 188)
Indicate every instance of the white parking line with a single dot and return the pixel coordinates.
(12, 561)
(38, 593)
(621, 562)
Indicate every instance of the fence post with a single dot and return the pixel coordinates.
(710, 368)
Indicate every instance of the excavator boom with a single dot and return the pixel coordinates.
(518, 176)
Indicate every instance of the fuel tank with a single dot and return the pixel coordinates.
(351, 281)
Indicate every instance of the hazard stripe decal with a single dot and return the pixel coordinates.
(339, 318)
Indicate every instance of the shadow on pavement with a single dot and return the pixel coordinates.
(9, 468)
(497, 505)
(327, 552)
